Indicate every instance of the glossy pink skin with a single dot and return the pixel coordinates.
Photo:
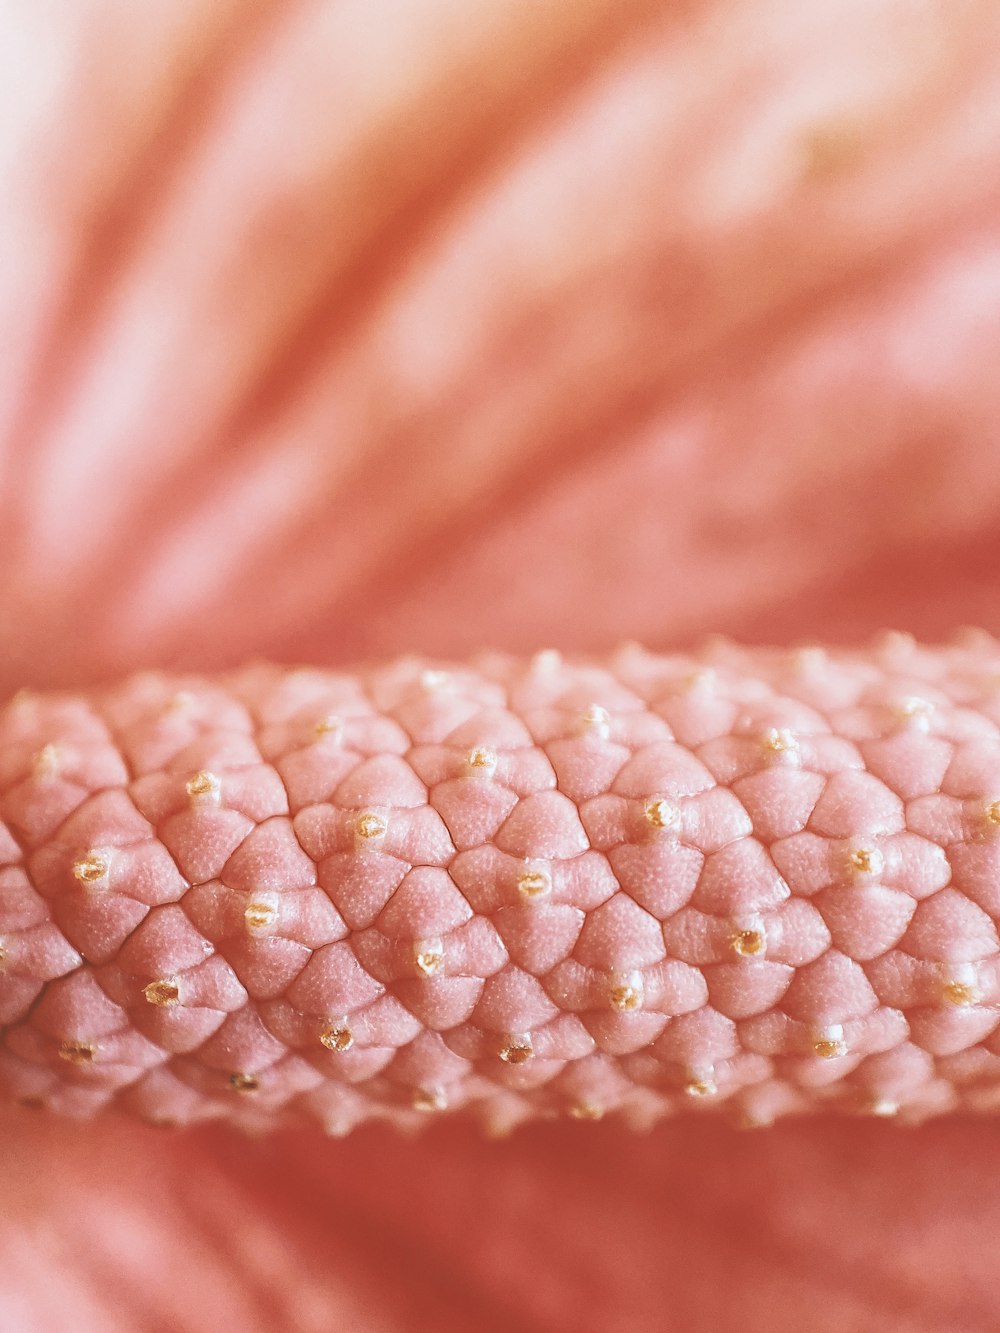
(405, 388)
(757, 880)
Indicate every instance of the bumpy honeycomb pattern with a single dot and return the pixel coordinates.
(763, 881)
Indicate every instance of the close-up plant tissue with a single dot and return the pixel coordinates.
(499, 710)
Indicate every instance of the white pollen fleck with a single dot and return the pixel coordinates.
(434, 681)
(914, 712)
(661, 814)
(884, 1108)
(596, 721)
(781, 743)
(428, 956)
(547, 662)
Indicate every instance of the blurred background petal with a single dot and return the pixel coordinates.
(333, 330)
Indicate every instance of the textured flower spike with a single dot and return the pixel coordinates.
(754, 881)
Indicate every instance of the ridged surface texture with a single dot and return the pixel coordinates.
(755, 881)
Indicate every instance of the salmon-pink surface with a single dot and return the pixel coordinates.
(342, 331)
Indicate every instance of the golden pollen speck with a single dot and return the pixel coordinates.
(429, 1099)
(533, 885)
(244, 1083)
(481, 759)
(587, 1111)
(90, 868)
(702, 1085)
(260, 916)
(77, 1052)
(866, 861)
(369, 825)
(959, 993)
(331, 725)
(626, 993)
(338, 1037)
(992, 813)
(660, 814)
(164, 993)
(518, 1049)
(428, 956)
(203, 785)
(748, 943)
(829, 1048)
(779, 741)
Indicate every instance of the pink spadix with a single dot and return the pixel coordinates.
(757, 881)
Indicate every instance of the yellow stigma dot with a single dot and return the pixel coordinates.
(481, 759)
(428, 956)
(587, 1111)
(260, 915)
(992, 813)
(866, 861)
(518, 1049)
(626, 994)
(369, 825)
(202, 786)
(748, 943)
(828, 1043)
(779, 740)
(90, 868)
(47, 762)
(244, 1083)
(533, 885)
(77, 1052)
(331, 725)
(661, 814)
(959, 993)
(164, 993)
(338, 1036)
(701, 1085)
(429, 1099)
